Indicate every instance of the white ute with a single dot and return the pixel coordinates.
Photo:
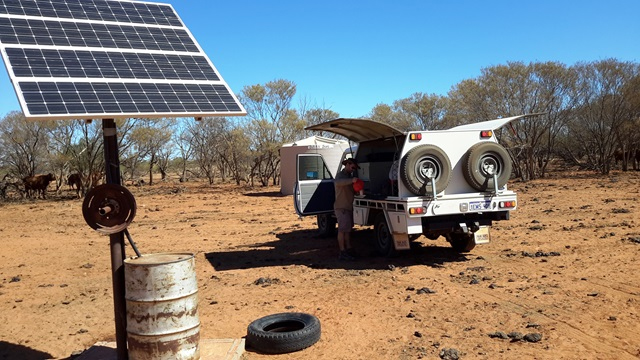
(450, 183)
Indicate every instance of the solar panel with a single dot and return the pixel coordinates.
(92, 59)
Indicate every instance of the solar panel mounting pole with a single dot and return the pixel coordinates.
(116, 241)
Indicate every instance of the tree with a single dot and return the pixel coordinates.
(317, 116)
(421, 112)
(602, 109)
(235, 153)
(205, 138)
(385, 114)
(271, 122)
(24, 144)
(183, 140)
(151, 140)
(517, 89)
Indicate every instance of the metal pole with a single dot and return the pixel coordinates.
(116, 241)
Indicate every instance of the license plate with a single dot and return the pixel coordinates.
(479, 205)
(482, 236)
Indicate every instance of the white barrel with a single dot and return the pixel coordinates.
(161, 292)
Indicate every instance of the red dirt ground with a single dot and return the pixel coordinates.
(565, 267)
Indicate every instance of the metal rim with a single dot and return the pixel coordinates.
(428, 169)
(109, 208)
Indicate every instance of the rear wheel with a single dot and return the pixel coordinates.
(384, 240)
(461, 242)
(326, 225)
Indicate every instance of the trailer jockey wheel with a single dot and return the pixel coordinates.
(109, 208)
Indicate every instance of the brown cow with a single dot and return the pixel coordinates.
(37, 184)
(75, 182)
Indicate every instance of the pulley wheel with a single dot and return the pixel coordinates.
(109, 208)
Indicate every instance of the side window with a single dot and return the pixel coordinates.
(313, 168)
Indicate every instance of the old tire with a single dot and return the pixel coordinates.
(484, 159)
(461, 242)
(421, 166)
(283, 333)
(384, 240)
(326, 225)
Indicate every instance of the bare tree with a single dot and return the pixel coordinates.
(183, 140)
(24, 144)
(150, 137)
(205, 138)
(602, 110)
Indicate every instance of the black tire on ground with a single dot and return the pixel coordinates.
(484, 159)
(326, 225)
(461, 242)
(283, 333)
(383, 237)
(421, 166)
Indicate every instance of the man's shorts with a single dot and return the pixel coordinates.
(345, 219)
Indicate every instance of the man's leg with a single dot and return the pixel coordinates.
(346, 244)
(341, 240)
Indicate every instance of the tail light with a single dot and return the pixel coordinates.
(507, 204)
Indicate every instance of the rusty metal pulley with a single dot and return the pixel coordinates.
(109, 208)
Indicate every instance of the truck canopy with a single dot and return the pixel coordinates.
(490, 124)
(358, 130)
(361, 130)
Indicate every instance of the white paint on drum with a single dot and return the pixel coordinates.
(162, 307)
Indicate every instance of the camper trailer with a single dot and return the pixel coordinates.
(330, 149)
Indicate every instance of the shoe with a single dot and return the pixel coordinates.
(345, 256)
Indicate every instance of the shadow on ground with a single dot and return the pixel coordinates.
(305, 247)
(14, 351)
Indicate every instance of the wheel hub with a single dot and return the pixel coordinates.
(489, 166)
(427, 169)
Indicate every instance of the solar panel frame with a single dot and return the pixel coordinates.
(99, 59)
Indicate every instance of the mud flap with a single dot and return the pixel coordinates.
(482, 236)
(401, 241)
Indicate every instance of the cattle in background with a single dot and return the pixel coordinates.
(75, 182)
(37, 185)
(632, 156)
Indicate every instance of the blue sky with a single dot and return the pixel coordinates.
(349, 56)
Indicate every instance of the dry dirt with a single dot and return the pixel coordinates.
(565, 267)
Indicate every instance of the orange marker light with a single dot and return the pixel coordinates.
(486, 134)
(415, 136)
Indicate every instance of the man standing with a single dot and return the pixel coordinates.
(343, 207)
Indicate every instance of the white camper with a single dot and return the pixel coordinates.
(330, 149)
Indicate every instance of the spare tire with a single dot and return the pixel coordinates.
(283, 333)
(423, 165)
(483, 160)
